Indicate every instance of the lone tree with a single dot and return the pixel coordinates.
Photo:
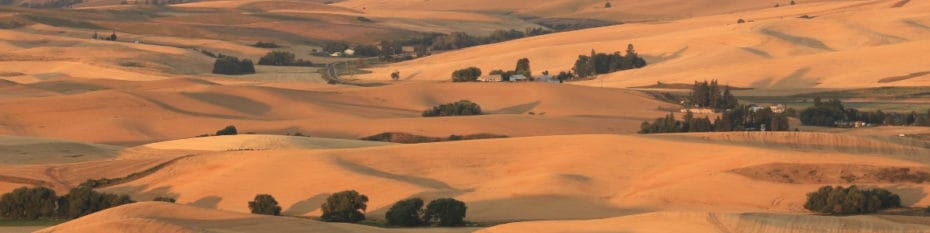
(407, 213)
(446, 212)
(469, 74)
(523, 67)
(395, 75)
(607, 5)
(345, 206)
(229, 130)
(265, 204)
(28, 203)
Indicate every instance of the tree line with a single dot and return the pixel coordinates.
(603, 63)
(710, 95)
(832, 113)
(31, 203)
(350, 206)
(741, 118)
(49, 4)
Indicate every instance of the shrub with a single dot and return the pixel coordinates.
(407, 213)
(852, 200)
(229, 130)
(446, 212)
(469, 74)
(267, 45)
(232, 66)
(265, 204)
(28, 203)
(460, 108)
(165, 199)
(345, 206)
(82, 201)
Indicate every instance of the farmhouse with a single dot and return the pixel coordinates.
(518, 78)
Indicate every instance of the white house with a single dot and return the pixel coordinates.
(349, 52)
(518, 78)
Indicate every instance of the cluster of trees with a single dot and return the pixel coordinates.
(710, 95)
(460, 108)
(522, 68)
(50, 4)
(741, 118)
(230, 65)
(446, 212)
(165, 199)
(459, 40)
(424, 43)
(852, 200)
(282, 58)
(267, 45)
(155, 2)
(469, 74)
(408, 138)
(335, 46)
(833, 113)
(602, 63)
(40, 202)
(112, 36)
(349, 206)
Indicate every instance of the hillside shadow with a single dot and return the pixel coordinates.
(910, 194)
(418, 181)
(210, 202)
(797, 40)
(231, 102)
(518, 109)
(141, 193)
(664, 57)
(757, 52)
(797, 79)
(306, 206)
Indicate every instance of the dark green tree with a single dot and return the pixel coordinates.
(523, 67)
(229, 130)
(459, 108)
(277, 58)
(446, 212)
(469, 74)
(28, 203)
(345, 206)
(165, 199)
(265, 204)
(407, 213)
(82, 201)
